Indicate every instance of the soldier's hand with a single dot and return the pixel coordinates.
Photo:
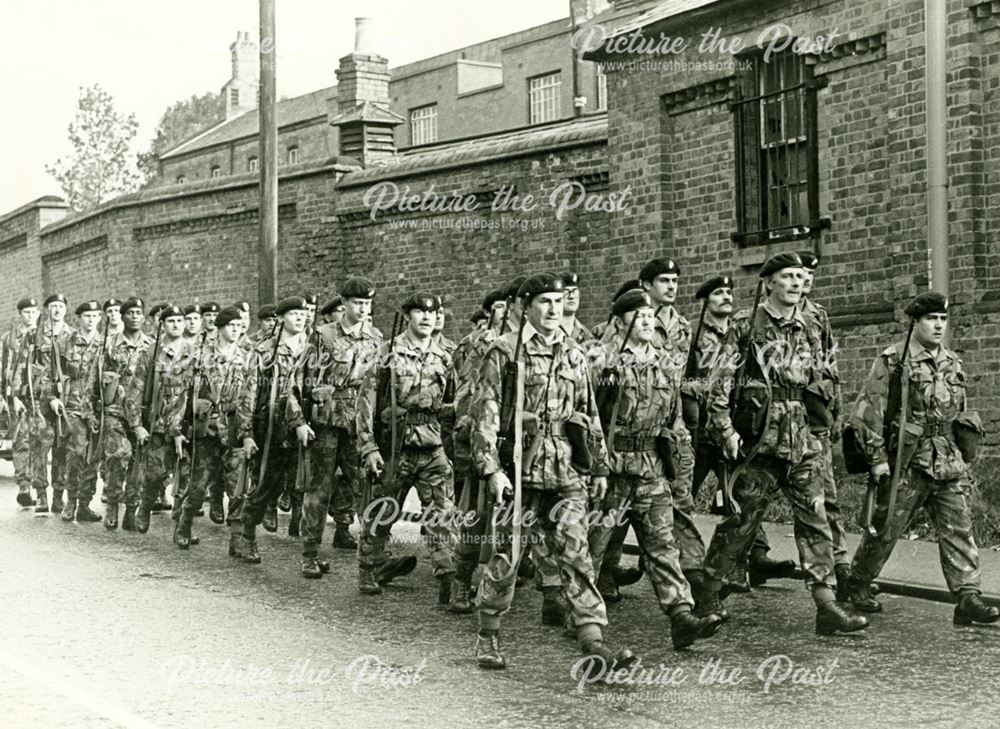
(249, 447)
(499, 486)
(57, 407)
(598, 488)
(141, 435)
(304, 433)
(374, 463)
(731, 448)
(879, 470)
(818, 504)
(18, 406)
(179, 441)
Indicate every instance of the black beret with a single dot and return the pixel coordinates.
(427, 302)
(657, 267)
(719, 282)
(26, 303)
(632, 283)
(191, 309)
(510, 292)
(491, 298)
(266, 311)
(156, 309)
(570, 279)
(540, 283)
(133, 303)
(210, 307)
(227, 315)
(332, 305)
(311, 299)
(88, 306)
(112, 302)
(809, 259)
(289, 303)
(630, 301)
(929, 302)
(478, 315)
(358, 287)
(169, 311)
(56, 297)
(243, 306)
(780, 261)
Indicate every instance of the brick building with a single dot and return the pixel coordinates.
(717, 165)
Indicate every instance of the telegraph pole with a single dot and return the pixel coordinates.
(267, 255)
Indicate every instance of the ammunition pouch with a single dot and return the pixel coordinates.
(818, 411)
(749, 413)
(691, 411)
(203, 416)
(968, 432)
(577, 430)
(854, 457)
(665, 449)
(322, 400)
(606, 394)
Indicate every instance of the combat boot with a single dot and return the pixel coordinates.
(444, 588)
(182, 533)
(736, 581)
(57, 502)
(24, 496)
(310, 568)
(685, 628)
(763, 568)
(85, 514)
(553, 606)
(832, 618)
(111, 516)
(607, 587)
(488, 653)
(142, 517)
(394, 567)
(971, 609)
(294, 519)
(614, 659)
(128, 518)
(861, 597)
(69, 510)
(234, 545)
(270, 520)
(842, 572)
(215, 512)
(367, 584)
(248, 549)
(459, 601)
(42, 503)
(707, 601)
(525, 570)
(342, 538)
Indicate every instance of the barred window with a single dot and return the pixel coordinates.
(777, 190)
(423, 125)
(252, 164)
(602, 89)
(543, 98)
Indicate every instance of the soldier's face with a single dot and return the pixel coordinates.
(114, 314)
(720, 302)
(645, 321)
(786, 286)
(356, 310)
(662, 289)
(89, 321)
(310, 314)
(231, 332)
(295, 321)
(498, 309)
(244, 319)
(267, 325)
(571, 300)
(57, 311)
(29, 316)
(133, 319)
(545, 312)
(807, 280)
(930, 329)
(439, 320)
(421, 322)
(208, 320)
(192, 323)
(173, 326)
(337, 314)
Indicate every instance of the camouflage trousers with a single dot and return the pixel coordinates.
(947, 504)
(429, 472)
(824, 474)
(753, 490)
(281, 461)
(332, 448)
(559, 520)
(81, 477)
(116, 464)
(216, 469)
(346, 489)
(30, 452)
(159, 460)
(647, 506)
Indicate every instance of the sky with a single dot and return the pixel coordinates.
(151, 53)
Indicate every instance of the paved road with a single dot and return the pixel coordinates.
(119, 629)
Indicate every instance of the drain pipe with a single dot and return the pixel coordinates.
(935, 30)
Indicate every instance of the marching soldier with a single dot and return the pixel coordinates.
(639, 409)
(266, 318)
(769, 365)
(192, 323)
(571, 326)
(218, 422)
(930, 467)
(28, 466)
(122, 413)
(332, 310)
(439, 338)
(209, 310)
(113, 316)
(409, 452)
(559, 416)
(312, 301)
(73, 402)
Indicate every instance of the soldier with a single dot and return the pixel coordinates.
(113, 316)
(209, 310)
(940, 442)
(417, 376)
(572, 326)
(332, 310)
(73, 402)
(222, 431)
(604, 328)
(167, 384)
(28, 467)
(769, 364)
(243, 340)
(478, 320)
(266, 319)
(192, 323)
(641, 405)
(312, 301)
(439, 338)
(278, 423)
(122, 413)
(557, 405)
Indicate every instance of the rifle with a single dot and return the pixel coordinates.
(901, 380)
(608, 391)
(97, 438)
(386, 391)
(690, 405)
(303, 468)
(272, 398)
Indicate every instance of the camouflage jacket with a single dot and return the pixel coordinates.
(35, 354)
(337, 362)
(788, 354)
(936, 395)
(446, 344)
(227, 389)
(170, 379)
(17, 354)
(709, 347)
(122, 359)
(281, 368)
(579, 332)
(672, 334)
(78, 360)
(648, 405)
(467, 377)
(556, 387)
(421, 378)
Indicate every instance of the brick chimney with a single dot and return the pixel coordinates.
(241, 91)
(364, 121)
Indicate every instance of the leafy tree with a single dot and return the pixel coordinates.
(181, 121)
(101, 166)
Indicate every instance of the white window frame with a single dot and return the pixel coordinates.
(215, 171)
(292, 155)
(423, 124)
(543, 97)
(602, 89)
(253, 164)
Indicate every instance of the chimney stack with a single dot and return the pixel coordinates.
(240, 92)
